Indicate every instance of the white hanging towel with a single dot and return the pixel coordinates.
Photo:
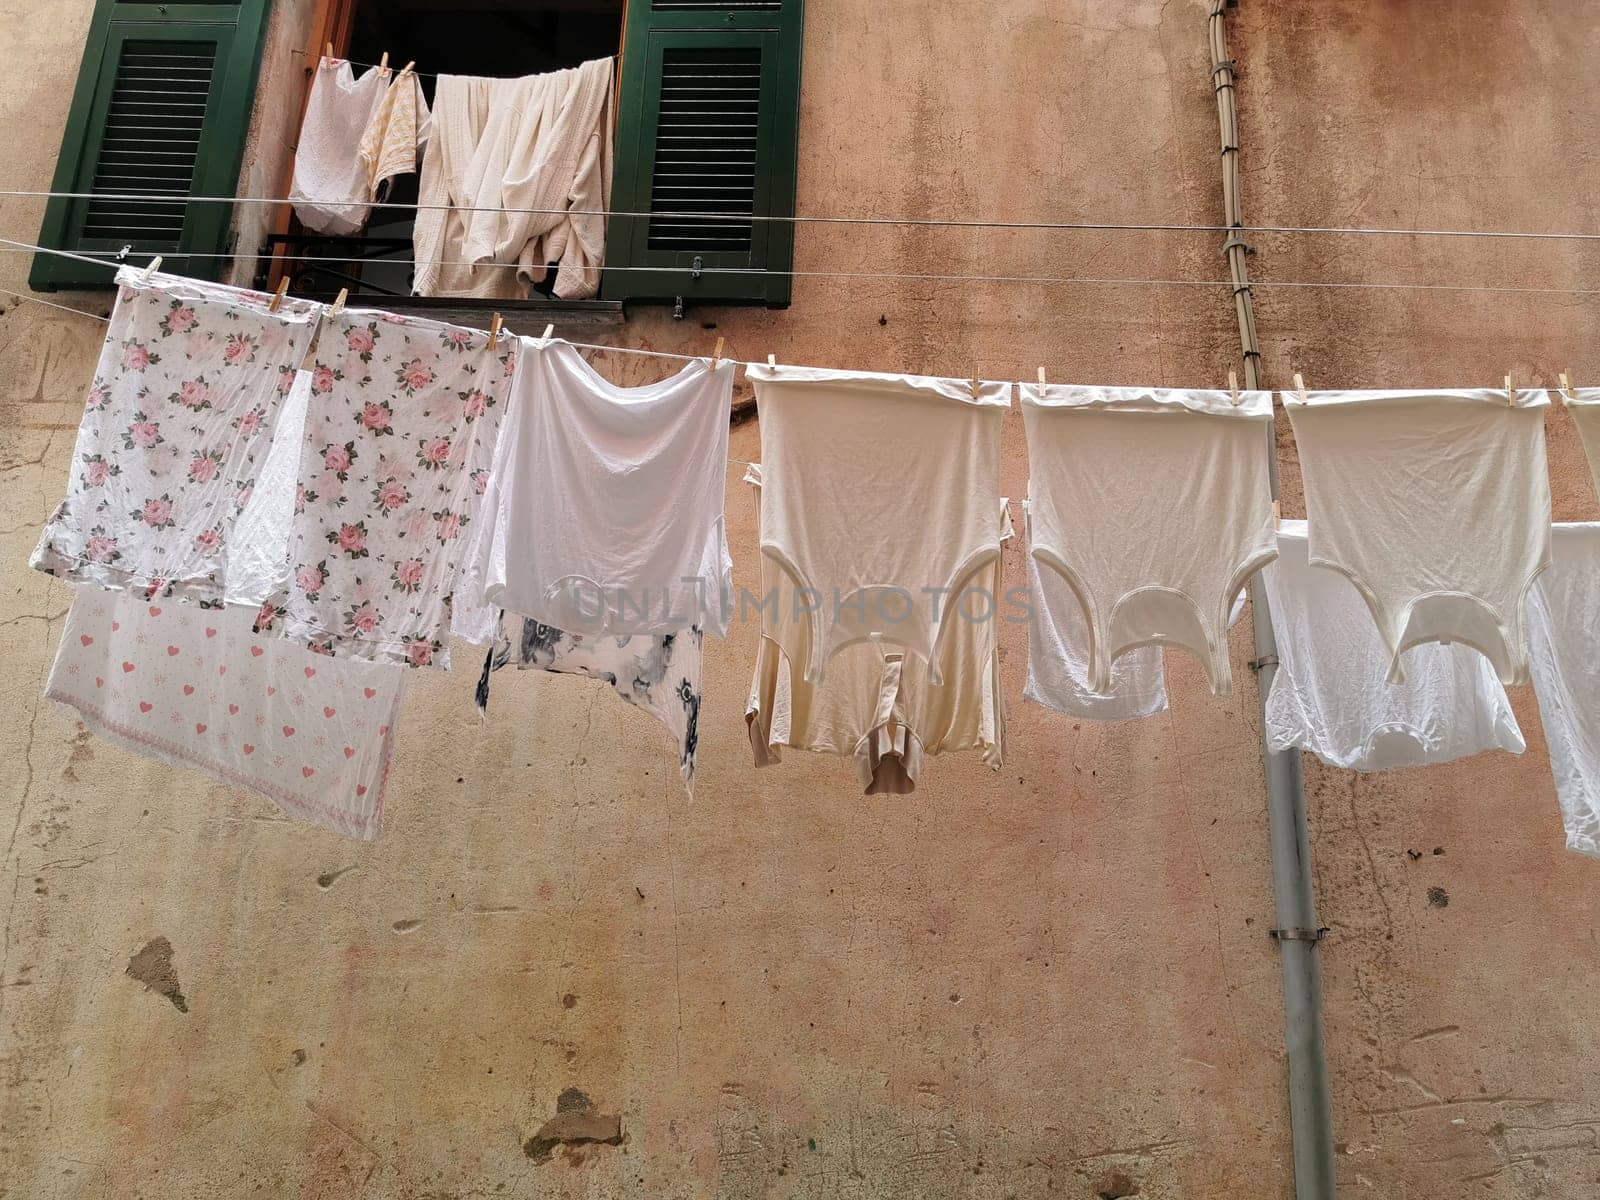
(1584, 405)
(1436, 505)
(1329, 695)
(329, 187)
(194, 687)
(1153, 506)
(605, 502)
(1058, 659)
(1563, 617)
(394, 138)
(517, 171)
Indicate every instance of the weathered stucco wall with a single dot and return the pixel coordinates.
(1053, 981)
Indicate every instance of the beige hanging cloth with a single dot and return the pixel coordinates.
(393, 140)
(508, 163)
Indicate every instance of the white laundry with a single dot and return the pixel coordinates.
(1584, 406)
(877, 507)
(1154, 506)
(605, 502)
(1436, 504)
(258, 557)
(329, 187)
(396, 134)
(1058, 659)
(880, 706)
(516, 171)
(1330, 695)
(1563, 617)
(194, 687)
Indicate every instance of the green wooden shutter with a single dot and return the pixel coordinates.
(707, 130)
(161, 109)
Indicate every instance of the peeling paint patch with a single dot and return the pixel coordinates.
(1116, 1186)
(328, 878)
(1438, 897)
(152, 966)
(575, 1124)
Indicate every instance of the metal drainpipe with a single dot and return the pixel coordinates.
(1297, 934)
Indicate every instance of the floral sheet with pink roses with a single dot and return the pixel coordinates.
(399, 438)
(177, 423)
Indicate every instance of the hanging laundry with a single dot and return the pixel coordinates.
(879, 706)
(1436, 505)
(178, 420)
(660, 674)
(329, 188)
(194, 687)
(1563, 615)
(394, 463)
(1154, 506)
(605, 515)
(1584, 405)
(878, 575)
(516, 171)
(258, 563)
(1058, 659)
(1329, 694)
(394, 138)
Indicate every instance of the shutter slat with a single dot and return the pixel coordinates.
(151, 143)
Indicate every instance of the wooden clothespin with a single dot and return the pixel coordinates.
(1511, 394)
(544, 338)
(338, 302)
(1567, 390)
(494, 331)
(277, 297)
(155, 265)
(717, 353)
(327, 52)
(1042, 383)
(406, 70)
(974, 381)
(772, 361)
(1233, 387)
(1300, 388)
(1277, 519)
(383, 62)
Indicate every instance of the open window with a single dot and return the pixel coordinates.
(502, 39)
(707, 119)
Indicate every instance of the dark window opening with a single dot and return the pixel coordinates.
(498, 38)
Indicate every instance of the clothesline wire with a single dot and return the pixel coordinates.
(174, 198)
(66, 308)
(595, 346)
(113, 258)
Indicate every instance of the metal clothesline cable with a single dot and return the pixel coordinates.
(172, 198)
(595, 346)
(113, 258)
(66, 308)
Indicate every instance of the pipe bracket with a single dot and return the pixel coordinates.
(1299, 935)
